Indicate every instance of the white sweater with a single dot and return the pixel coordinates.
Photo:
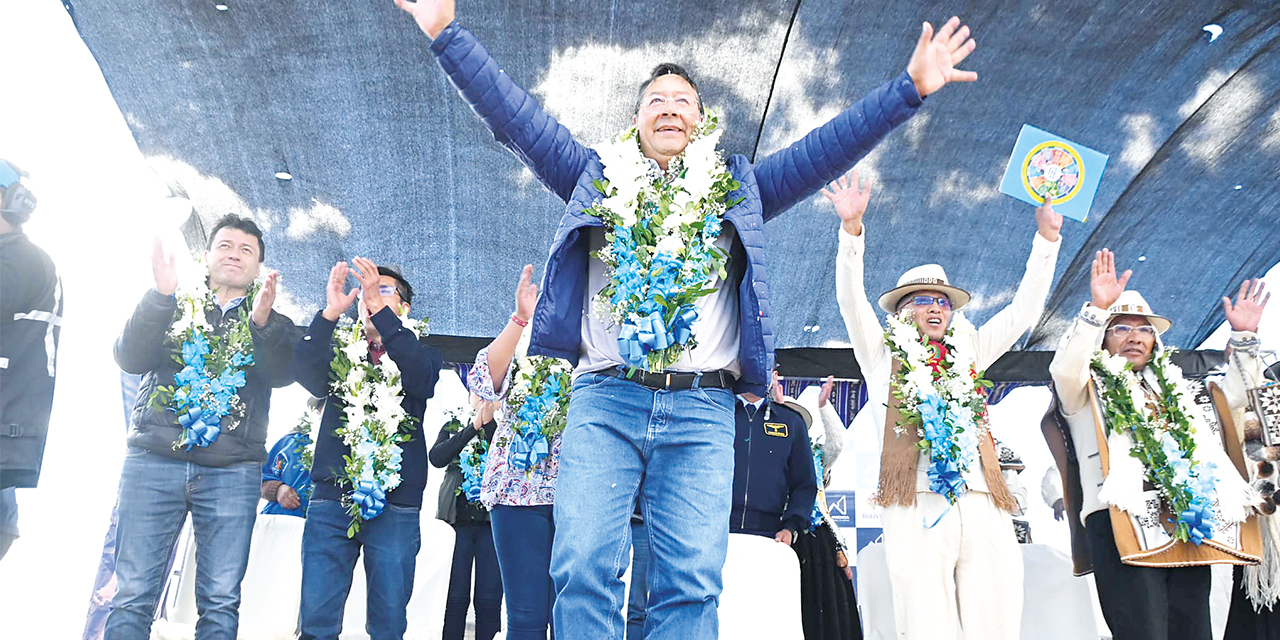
(990, 342)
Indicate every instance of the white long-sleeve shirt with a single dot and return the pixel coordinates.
(991, 341)
(1071, 379)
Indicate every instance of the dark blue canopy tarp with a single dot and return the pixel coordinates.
(387, 162)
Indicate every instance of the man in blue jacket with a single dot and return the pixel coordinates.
(671, 425)
(390, 534)
(774, 483)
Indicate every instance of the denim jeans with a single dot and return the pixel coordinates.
(473, 545)
(156, 493)
(681, 443)
(522, 536)
(390, 541)
(638, 600)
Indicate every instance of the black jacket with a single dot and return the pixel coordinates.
(30, 324)
(453, 507)
(144, 348)
(419, 370)
(774, 485)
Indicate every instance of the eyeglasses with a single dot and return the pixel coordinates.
(681, 103)
(387, 290)
(1123, 330)
(927, 301)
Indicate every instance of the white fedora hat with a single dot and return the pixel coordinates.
(926, 277)
(1131, 303)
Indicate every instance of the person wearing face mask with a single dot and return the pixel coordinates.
(1160, 499)
(659, 357)
(949, 539)
(185, 458)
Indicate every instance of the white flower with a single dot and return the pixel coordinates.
(671, 244)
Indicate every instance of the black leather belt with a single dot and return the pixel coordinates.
(676, 380)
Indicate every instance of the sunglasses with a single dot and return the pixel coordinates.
(386, 290)
(1123, 330)
(927, 301)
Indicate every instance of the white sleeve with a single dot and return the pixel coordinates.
(1051, 485)
(835, 430)
(851, 293)
(998, 334)
(1070, 365)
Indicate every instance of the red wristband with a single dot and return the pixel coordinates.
(521, 323)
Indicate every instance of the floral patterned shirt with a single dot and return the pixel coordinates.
(503, 483)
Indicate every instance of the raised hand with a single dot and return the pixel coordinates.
(850, 201)
(933, 63)
(1247, 310)
(163, 268)
(1048, 221)
(367, 274)
(337, 302)
(526, 294)
(1104, 286)
(432, 16)
(775, 388)
(824, 394)
(266, 298)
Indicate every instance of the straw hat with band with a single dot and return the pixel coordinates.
(1131, 303)
(926, 277)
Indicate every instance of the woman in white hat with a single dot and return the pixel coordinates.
(949, 539)
(1160, 498)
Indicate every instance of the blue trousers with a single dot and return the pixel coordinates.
(156, 493)
(522, 537)
(390, 542)
(638, 600)
(474, 546)
(681, 444)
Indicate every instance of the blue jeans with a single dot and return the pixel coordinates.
(638, 601)
(681, 443)
(474, 545)
(391, 542)
(156, 493)
(522, 536)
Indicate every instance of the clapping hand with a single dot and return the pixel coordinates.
(163, 268)
(336, 301)
(370, 285)
(266, 298)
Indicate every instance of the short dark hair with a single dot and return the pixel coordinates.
(246, 225)
(402, 285)
(669, 69)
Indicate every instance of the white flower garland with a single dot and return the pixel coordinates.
(660, 251)
(206, 389)
(945, 399)
(373, 421)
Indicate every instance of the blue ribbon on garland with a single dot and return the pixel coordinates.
(528, 450)
(944, 468)
(371, 499)
(472, 475)
(196, 431)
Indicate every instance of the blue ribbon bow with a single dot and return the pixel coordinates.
(528, 450)
(1199, 520)
(370, 497)
(197, 432)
